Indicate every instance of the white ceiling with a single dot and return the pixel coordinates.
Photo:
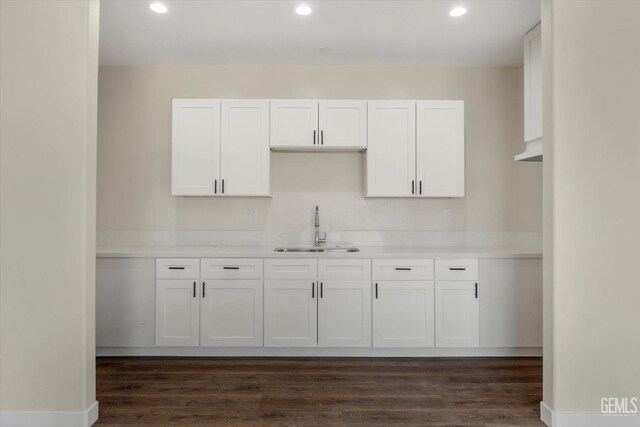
(357, 32)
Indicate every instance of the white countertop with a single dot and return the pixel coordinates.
(268, 252)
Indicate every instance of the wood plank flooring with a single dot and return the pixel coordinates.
(320, 391)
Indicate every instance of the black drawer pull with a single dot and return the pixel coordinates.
(313, 290)
(457, 268)
(204, 285)
(231, 268)
(194, 289)
(176, 268)
(376, 291)
(403, 268)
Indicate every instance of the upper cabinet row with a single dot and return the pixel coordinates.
(413, 148)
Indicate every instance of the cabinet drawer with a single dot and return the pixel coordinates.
(231, 268)
(291, 268)
(177, 268)
(456, 269)
(403, 269)
(344, 269)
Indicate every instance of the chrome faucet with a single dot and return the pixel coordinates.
(317, 240)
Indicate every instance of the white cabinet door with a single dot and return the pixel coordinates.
(391, 149)
(344, 314)
(177, 313)
(244, 148)
(290, 313)
(343, 124)
(440, 148)
(533, 85)
(403, 314)
(457, 314)
(195, 146)
(294, 123)
(231, 313)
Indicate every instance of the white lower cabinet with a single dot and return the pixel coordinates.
(344, 314)
(403, 314)
(231, 313)
(177, 313)
(457, 314)
(290, 313)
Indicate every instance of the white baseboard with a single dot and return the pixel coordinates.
(585, 419)
(317, 352)
(84, 418)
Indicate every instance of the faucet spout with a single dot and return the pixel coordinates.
(317, 240)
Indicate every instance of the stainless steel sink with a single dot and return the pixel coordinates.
(319, 249)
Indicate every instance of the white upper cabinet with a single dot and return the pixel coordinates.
(440, 149)
(391, 149)
(533, 85)
(244, 148)
(195, 159)
(294, 123)
(343, 124)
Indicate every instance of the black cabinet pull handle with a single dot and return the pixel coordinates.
(376, 291)
(223, 186)
(313, 290)
(203, 288)
(413, 186)
(457, 268)
(321, 289)
(476, 291)
(215, 186)
(421, 187)
(194, 289)
(314, 137)
(176, 268)
(403, 268)
(230, 268)
(321, 137)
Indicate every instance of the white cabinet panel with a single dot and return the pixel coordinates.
(231, 313)
(440, 148)
(344, 269)
(403, 269)
(403, 314)
(344, 314)
(177, 313)
(343, 123)
(511, 304)
(231, 268)
(391, 149)
(177, 268)
(290, 311)
(533, 85)
(456, 269)
(125, 302)
(294, 123)
(195, 154)
(244, 148)
(457, 314)
(290, 268)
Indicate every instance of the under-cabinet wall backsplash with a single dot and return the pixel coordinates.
(134, 152)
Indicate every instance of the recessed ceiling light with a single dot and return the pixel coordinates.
(303, 9)
(458, 11)
(158, 7)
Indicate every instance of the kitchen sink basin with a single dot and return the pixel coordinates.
(319, 249)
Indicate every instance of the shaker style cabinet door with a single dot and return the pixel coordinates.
(294, 123)
(290, 313)
(440, 149)
(391, 149)
(244, 148)
(343, 124)
(177, 313)
(231, 313)
(457, 314)
(195, 147)
(344, 313)
(403, 314)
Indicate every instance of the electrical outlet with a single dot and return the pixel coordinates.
(171, 214)
(253, 214)
(447, 214)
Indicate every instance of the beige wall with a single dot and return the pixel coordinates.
(591, 184)
(48, 87)
(134, 157)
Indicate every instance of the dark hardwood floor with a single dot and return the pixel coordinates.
(318, 392)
